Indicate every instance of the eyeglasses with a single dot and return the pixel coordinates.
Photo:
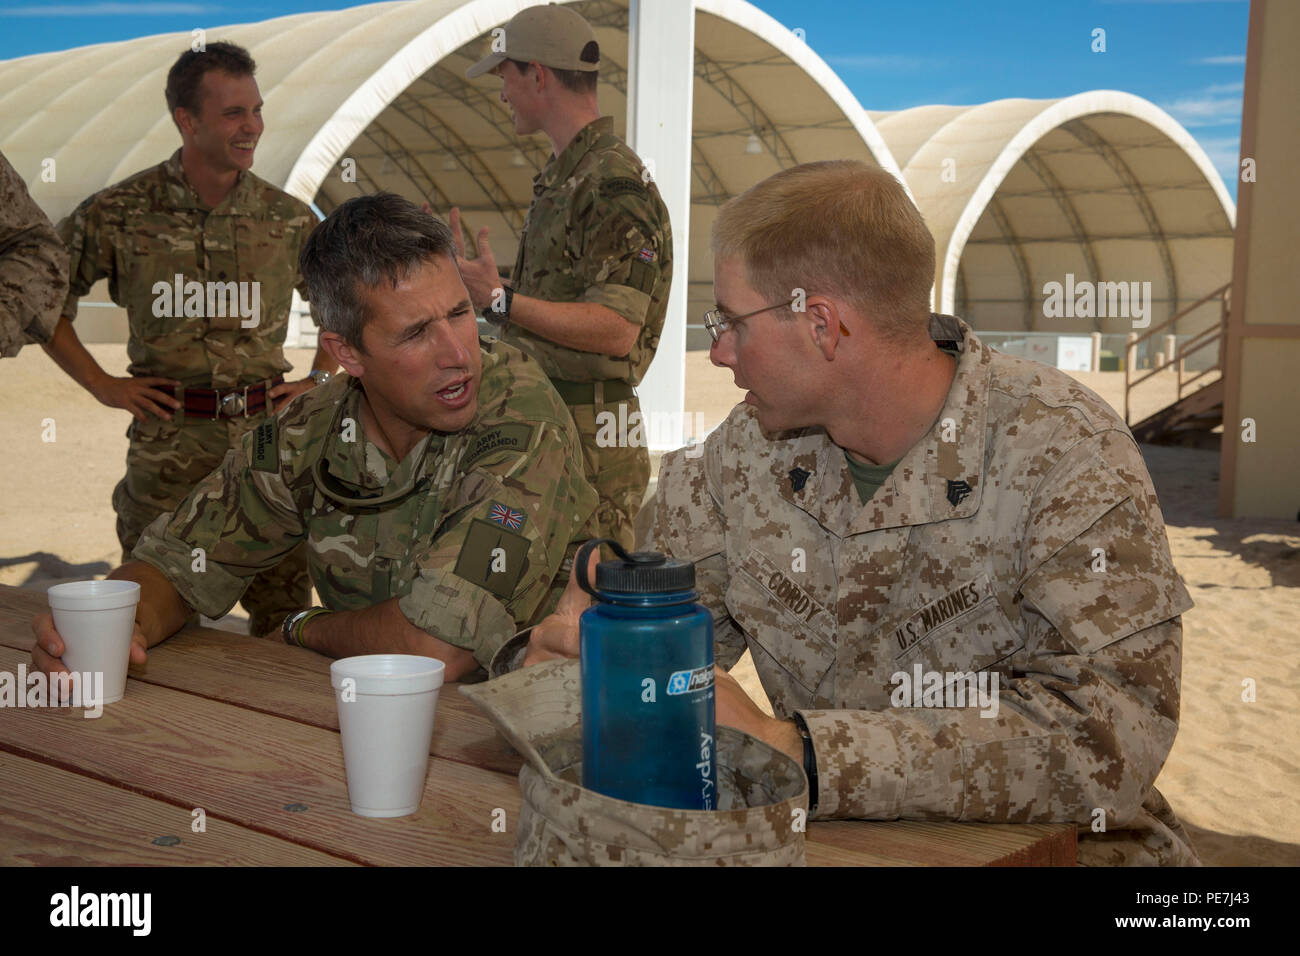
(717, 321)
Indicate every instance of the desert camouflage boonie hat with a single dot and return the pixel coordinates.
(762, 793)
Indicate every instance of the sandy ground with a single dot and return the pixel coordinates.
(1233, 776)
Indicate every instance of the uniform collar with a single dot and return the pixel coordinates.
(240, 201)
(361, 466)
(559, 168)
(935, 480)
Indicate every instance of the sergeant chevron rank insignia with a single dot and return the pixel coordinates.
(798, 478)
(957, 491)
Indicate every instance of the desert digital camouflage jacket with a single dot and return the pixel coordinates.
(596, 231)
(153, 227)
(471, 534)
(1030, 545)
(33, 267)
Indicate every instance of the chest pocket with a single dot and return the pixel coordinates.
(782, 617)
(963, 630)
(145, 262)
(345, 570)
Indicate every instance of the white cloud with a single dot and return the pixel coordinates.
(108, 9)
(1234, 59)
(1215, 105)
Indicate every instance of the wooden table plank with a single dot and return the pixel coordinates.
(278, 680)
(248, 767)
(52, 817)
(272, 677)
(938, 843)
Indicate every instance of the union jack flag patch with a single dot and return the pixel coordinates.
(506, 517)
(646, 255)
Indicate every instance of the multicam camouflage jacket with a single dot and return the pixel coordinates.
(33, 267)
(596, 231)
(189, 276)
(469, 530)
(1028, 545)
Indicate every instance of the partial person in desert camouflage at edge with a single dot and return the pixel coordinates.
(894, 496)
(589, 291)
(438, 486)
(33, 267)
(204, 369)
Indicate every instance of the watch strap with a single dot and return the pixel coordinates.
(809, 762)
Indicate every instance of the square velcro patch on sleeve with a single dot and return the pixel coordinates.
(493, 558)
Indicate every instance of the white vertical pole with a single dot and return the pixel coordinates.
(661, 81)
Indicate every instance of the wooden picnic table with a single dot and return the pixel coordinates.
(246, 731)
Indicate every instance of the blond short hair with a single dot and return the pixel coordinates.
(841, 228)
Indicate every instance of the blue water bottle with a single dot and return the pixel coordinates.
(647, 682)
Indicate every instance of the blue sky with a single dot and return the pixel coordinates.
(1186, 56)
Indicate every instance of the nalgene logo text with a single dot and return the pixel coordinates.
(705, 767)
(688, 682)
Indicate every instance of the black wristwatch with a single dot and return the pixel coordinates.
(809, 762)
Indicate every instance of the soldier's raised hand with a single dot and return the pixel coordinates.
(480, 275)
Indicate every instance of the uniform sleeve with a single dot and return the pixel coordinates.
(685, 520)
(90, 254)
(33, 267)
(236, 522)
(621, 261)
(1086, 708)
(495, 559)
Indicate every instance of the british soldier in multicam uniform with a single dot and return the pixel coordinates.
(203, 373)
(437, 487)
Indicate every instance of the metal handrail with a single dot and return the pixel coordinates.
(1212, 334)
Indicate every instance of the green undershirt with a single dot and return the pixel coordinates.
(867, 478)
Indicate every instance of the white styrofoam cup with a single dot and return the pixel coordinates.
(386, 705)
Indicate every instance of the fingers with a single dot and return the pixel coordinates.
(453, 220)
(47, 652)
(46, 636)
(147, 405)
(139, 646)
(164, 395)
(484, 250)
(575, 600)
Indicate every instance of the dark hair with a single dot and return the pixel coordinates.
(575, 81)
(186, 74)
(363, 242)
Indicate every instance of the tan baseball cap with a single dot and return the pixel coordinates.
(552, 35)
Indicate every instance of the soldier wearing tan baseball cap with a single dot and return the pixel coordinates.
(552, 35)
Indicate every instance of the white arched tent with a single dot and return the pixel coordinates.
(714, 94)
(1102, 187)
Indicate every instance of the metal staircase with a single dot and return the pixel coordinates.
(1194, 415)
